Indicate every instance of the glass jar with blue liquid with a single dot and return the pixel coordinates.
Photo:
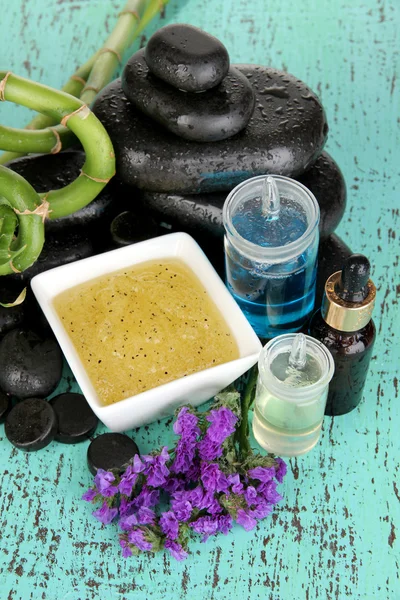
(271, 245)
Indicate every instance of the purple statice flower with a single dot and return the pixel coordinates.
(128, 521)
(147, 497)
(186, 424)
(184, 455)
(263, 474)
(235, 483)
(209, 450)
(250, 495)
(245, 520)
(126, 506)
(174, 484)
(90, 495)
(193, 473)
(156, 470)
(262, 509)
(206, 526)
(268, 491)
(281, 470)
(130, 476)
(105, 514)
(210, 502)
(195, 496)
(126, 551)
(169, 525)
(214, 480)
(103, 482)
(225, 523)
(182, 509)
(136, 537)
(146, 516)
(175, 549)
(223, 423)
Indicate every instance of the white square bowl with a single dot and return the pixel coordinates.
(161, 401)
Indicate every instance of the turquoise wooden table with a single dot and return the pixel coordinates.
(336, 534)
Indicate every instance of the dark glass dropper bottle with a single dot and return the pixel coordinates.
(344, 325)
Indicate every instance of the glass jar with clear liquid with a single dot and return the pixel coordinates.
(292, 388)
(271, 245)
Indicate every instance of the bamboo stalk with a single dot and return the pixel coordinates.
(31, 208)
(73, 86)
(23, 141)
(20, 253)
(110, 56)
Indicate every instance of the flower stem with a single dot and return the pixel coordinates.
(110, 56)
(73, 86)
(247, 399)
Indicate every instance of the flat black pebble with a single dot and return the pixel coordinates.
(285, 135)
(214, 115)
(29, 364)
(187, 57)
(76, 420)
(130, 227)
(31, 424)
(5, 405)
(110, 451)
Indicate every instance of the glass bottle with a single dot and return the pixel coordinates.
(344, 325)
(292, 387)
(271, 243)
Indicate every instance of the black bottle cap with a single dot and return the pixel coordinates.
(353, 283)
(110, 451)
(76, 420)
(31, 424)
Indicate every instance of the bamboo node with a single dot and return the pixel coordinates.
(85, 113)
(14, 268)
(3, 86)
(97, 179)
(42, 210)
(92, 87)
(130, 12)
(77, 78)
(58, 145)
(117, 54)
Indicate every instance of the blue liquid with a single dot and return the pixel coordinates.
(275, 298)
(273, 305)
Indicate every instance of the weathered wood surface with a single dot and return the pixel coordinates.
(336, 534)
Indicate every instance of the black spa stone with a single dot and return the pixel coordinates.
(214, 115)
(201, 214)
(332, 254)
(327, 183)
(110, 451)
(187, 57)
(31, 424)
(76, 420)
(285, 135)
(130, 227)
(14, 316)
(5, 405)
(29, 364)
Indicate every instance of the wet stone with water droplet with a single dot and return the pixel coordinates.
(201, 214)
(285, 135)
(187, 57)
(214, 115)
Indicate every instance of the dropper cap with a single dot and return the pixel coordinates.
(349, 295)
